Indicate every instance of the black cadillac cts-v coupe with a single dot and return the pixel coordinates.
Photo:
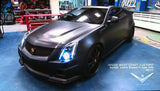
(72, 47)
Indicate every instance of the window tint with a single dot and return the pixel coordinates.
(117, 12)
(88, 15)
(122, 14)
(114, 11)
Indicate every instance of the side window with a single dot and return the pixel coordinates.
(114, 12)
(122, 14)
(117, 12)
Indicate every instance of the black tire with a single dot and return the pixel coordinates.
(93, 60)
(131, 34)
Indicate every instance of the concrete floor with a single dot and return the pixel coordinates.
(148, 37)
(14, 28)
(133, 66)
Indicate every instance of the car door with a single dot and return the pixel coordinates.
(124, 24)
(111, 31)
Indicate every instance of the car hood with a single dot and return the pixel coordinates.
(59, 32)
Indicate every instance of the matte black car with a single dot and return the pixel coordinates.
(72, 47)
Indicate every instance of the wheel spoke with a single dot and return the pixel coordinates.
(93, 60)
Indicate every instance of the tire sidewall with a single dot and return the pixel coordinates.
(87, 72)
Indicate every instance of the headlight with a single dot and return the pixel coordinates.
(24, 37)
(68, 52)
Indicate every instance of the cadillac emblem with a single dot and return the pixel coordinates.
(32, 50)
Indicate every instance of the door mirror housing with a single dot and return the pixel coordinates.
(113, 19)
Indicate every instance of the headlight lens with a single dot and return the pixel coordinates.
(68, 52)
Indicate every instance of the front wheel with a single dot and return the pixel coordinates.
(93, 60)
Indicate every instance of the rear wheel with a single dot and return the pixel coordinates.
(131, 34)
(93, 60)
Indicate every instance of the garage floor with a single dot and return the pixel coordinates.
(134, 66)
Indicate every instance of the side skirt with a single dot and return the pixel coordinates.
(113, 49)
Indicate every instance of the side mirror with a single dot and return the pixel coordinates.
(114, 19)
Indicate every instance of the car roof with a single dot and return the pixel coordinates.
(104, 7)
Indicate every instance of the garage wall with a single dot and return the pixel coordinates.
(54, 5)
(151, 4)
(89, 2)
(147, 20)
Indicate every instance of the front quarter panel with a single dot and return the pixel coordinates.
(91, 39)
(85, 44)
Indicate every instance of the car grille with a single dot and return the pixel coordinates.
(37, 50)
(38, 66)
(45, 68)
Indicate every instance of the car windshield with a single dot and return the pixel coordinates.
(88, 15)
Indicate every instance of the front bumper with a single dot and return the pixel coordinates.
(57, 72)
